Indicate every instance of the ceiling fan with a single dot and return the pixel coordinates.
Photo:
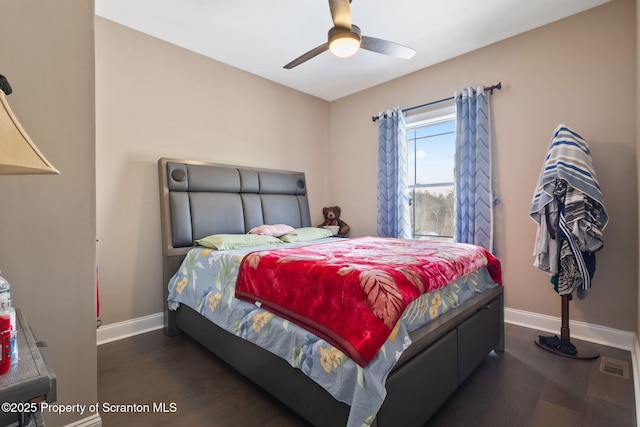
(344, 38)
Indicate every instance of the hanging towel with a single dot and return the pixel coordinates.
(568, 157)
(569, 209)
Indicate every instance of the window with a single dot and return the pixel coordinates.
(431, 148)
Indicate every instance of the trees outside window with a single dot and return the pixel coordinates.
(431, 148)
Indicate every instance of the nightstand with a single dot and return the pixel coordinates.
(28, 381)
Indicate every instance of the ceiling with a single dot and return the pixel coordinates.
(261, 36)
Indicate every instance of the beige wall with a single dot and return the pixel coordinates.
(154, 100)
(580, 71)
(47, 223)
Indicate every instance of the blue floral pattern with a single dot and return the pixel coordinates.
(206, 282)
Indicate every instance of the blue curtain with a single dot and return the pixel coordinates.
(474, 199)
(393, 197)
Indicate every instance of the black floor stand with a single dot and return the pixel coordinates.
(583, 351)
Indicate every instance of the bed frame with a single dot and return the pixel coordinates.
(199, 199)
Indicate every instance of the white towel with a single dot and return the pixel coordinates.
(568, 157)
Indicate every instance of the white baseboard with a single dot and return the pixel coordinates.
(129, 328)
(583, 331)
(92, 421)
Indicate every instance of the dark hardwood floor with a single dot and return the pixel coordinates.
(523, 386)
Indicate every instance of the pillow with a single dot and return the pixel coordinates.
(306, 233)
(224, 242)
(275, 230)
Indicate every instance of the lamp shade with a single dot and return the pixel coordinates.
(18, 154)
(344, 42)
(344, 46)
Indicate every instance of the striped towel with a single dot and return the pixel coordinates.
(568, 157)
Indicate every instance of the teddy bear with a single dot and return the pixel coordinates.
(332, 217)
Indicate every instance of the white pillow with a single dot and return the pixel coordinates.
(275, 230)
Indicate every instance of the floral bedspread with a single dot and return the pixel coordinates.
(352, 292)
(206, 282)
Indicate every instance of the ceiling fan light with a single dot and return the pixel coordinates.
(345, 45)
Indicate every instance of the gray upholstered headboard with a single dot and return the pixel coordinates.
(200, 199)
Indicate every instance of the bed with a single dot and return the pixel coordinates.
(417, 372)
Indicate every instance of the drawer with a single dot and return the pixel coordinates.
(427, 381)
(477, 336)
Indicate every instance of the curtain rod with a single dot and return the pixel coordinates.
(489, 89)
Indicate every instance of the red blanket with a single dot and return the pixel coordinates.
(352, 292)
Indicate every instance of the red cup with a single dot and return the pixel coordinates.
(5, 342)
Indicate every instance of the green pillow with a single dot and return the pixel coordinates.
(224, 242)
(306, 233)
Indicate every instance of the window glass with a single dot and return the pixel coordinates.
(431, 149)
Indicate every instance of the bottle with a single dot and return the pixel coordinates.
(5, 294)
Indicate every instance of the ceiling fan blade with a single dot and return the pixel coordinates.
(340, 13)
(386, 47)
(307, 56)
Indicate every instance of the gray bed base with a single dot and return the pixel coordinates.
(443, 353)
